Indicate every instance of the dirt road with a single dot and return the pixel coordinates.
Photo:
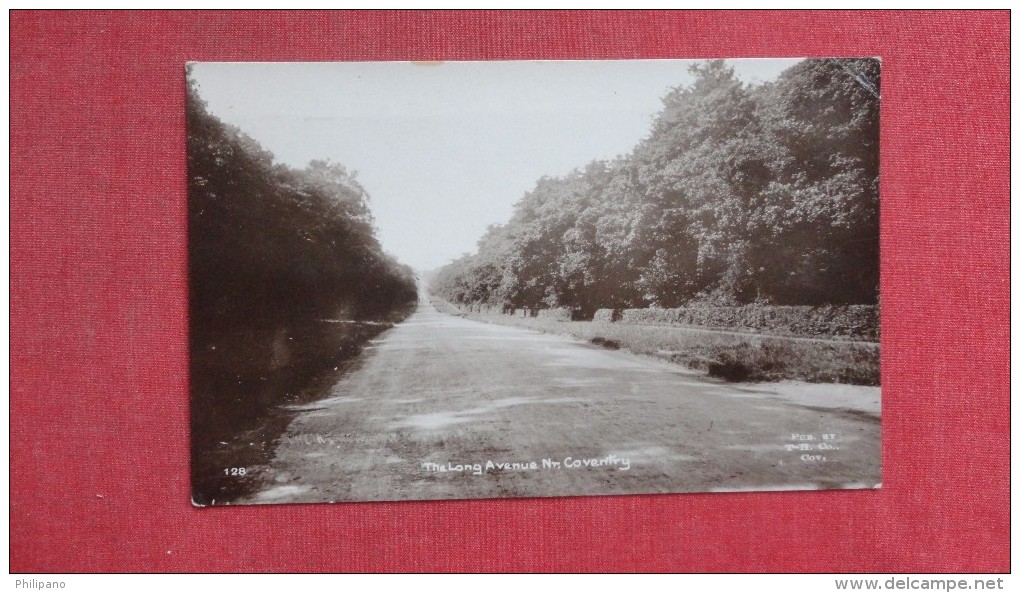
(444, 407)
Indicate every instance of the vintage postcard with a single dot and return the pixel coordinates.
(450, 280)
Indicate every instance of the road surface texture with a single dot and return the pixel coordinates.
(445, 407)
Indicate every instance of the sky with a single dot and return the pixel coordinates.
(446, 149)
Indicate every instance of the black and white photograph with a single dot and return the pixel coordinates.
(467, 280)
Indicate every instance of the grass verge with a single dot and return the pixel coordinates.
(731, 357)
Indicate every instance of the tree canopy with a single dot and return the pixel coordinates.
(739, 193)
(270, 244)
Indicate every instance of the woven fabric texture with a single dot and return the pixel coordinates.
(99, 358)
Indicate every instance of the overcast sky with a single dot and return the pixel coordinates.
(447, 149)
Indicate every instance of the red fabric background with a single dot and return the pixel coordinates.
(99, 392)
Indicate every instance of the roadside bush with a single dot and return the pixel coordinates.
(608, 344)
(606, 315)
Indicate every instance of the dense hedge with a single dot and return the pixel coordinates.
(855, 321)
(480, 308)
